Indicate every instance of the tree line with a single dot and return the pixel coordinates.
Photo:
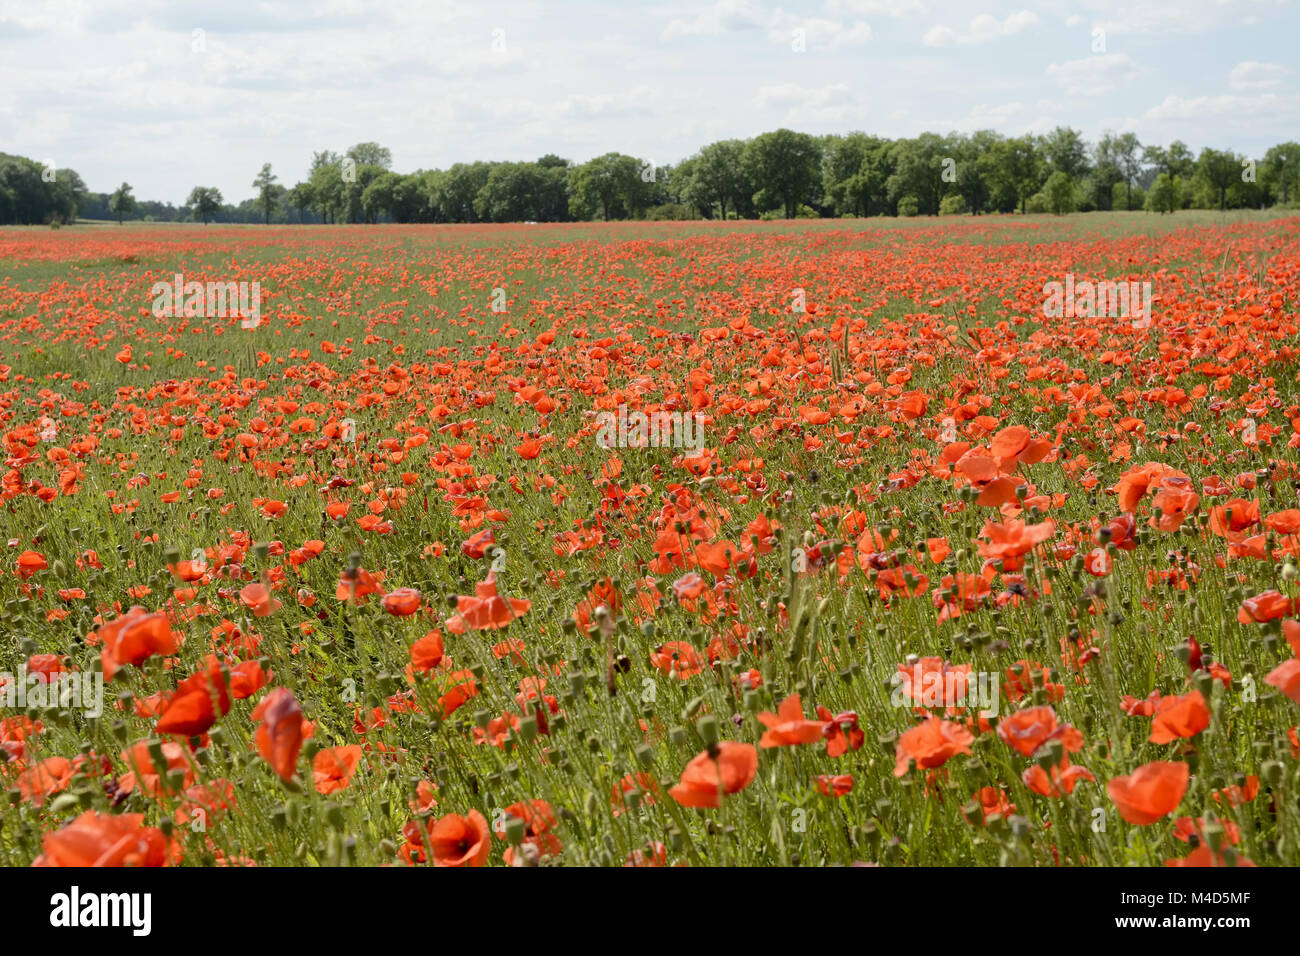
(778, 174)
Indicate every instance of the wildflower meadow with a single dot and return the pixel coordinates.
(755, 544)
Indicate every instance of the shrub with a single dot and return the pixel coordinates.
(953, 205)
(674, 211)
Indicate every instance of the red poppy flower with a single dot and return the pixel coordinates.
(281, 731)
(460, 841)
(788, 726)
(486, 610)
(930, 744)
(132, 638)
(726, 768)
(402, 602)
(1152, 791)
(332, 768)
(101, 839)
(199, 700)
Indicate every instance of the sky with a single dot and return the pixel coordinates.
(167, 96)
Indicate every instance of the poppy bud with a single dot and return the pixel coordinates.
(708, 729)
(1050, 755)
(1214, 833)
(675, 840)
(528, 729)
(645, 757)
(1271, 771)
(64, 803)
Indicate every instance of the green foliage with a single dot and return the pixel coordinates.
(783, 174)
(31, 193)
(671, 211)
(122, 203)
(953, 205)
(203, 202)
(1059, 193)
(1127, 197)
(1216, 172)
(613, 186)
(786, 168)
(269, 193)
(1165, 194)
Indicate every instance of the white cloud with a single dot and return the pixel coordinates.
(724, 16)
(1094, 74)
(835, 104)
(875, 8)
(1150, 19)
(818, 34)
(785, 94)
(981, 29)
(1001, 118)
(98, 86)
(1253, 75)
(1206, 107)
(43, 14)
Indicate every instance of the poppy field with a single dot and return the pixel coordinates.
(391, 563)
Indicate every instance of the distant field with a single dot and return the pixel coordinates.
(942, 578)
